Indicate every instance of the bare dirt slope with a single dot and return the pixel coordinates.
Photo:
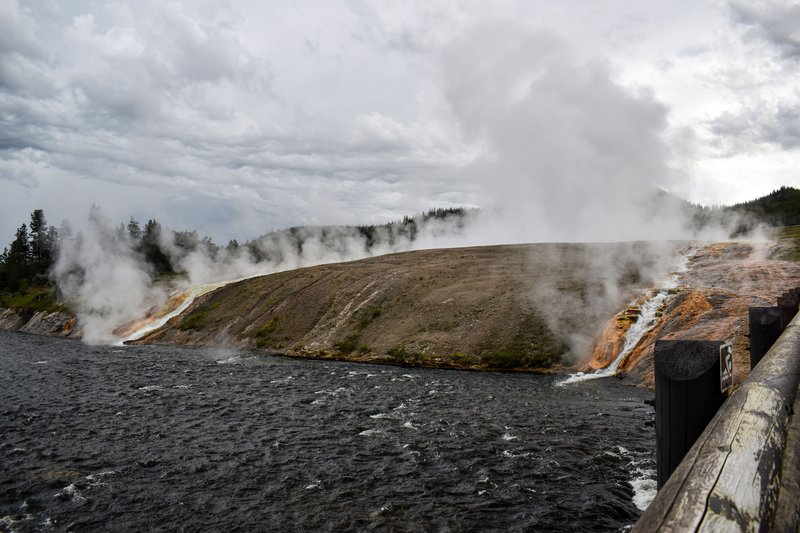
(466, 308)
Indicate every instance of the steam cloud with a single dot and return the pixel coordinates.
(109, 283)
(570, 155)
(573, 155)
(104, 280)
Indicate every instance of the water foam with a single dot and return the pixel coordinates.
(644, 488)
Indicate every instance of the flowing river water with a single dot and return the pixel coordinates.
(165, 439)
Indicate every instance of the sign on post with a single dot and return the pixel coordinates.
(725, 366)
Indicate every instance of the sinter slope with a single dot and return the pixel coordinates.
(467, 308)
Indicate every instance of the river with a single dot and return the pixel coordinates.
(164, 439)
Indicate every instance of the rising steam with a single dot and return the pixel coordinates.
(571, 154)
(103, 279)
(109, 283)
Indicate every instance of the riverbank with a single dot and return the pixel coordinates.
(533, 308)
(51, 323)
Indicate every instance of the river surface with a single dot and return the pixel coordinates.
(167, 439)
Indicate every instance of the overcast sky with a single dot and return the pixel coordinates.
(238, 117)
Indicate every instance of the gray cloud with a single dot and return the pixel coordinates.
(160, 99)
(776, 125)
(762, 115)
(777, 21)
(338, 112)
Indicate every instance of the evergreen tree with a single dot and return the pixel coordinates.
(134, 231)
(151, 248)
(40, 252)
(17, 264)
(42, 247)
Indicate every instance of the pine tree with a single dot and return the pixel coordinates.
(41, 247)
(134, 231)
(151, 248)
(17, 264)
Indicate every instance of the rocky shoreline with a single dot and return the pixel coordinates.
(50, 323)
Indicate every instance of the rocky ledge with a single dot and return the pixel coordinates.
(53, 323)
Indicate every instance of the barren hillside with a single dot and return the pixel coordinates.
(497, 307)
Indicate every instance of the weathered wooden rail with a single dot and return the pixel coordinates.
(743, 472)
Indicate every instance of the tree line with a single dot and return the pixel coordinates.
(29, 260)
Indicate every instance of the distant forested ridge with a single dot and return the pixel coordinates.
(26, 265)
(779, 208)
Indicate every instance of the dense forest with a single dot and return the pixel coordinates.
(27, 261)
(779, 208)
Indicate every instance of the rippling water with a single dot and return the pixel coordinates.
(145, 438)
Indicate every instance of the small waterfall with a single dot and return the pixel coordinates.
(648, 317)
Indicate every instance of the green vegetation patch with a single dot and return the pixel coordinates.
(401, 356)
(788, 248)
(351, 343)
(196, 320)
(265, 332)
(34, 299)
(534, 346)
(367, 318)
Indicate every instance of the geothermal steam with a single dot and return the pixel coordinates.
(571, 154)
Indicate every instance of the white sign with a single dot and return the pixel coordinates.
(726, 366)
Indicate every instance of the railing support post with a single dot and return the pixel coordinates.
(765, 328)
(788, 304)
(688, 395)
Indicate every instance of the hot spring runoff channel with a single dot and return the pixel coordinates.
(146, 438)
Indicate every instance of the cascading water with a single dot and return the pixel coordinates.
(157, 320)
(648, 317)
(643, 481)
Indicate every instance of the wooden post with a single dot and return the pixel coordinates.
(789, 306)
(765, 328)
(743, 472)
(688, 394)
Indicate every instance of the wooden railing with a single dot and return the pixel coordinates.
(743, 472)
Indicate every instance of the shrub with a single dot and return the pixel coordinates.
(348, 345)
(264, 333)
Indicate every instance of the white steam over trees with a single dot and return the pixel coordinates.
(113, 275)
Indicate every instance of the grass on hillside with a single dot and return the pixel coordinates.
(789, 239)
(34, 299)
